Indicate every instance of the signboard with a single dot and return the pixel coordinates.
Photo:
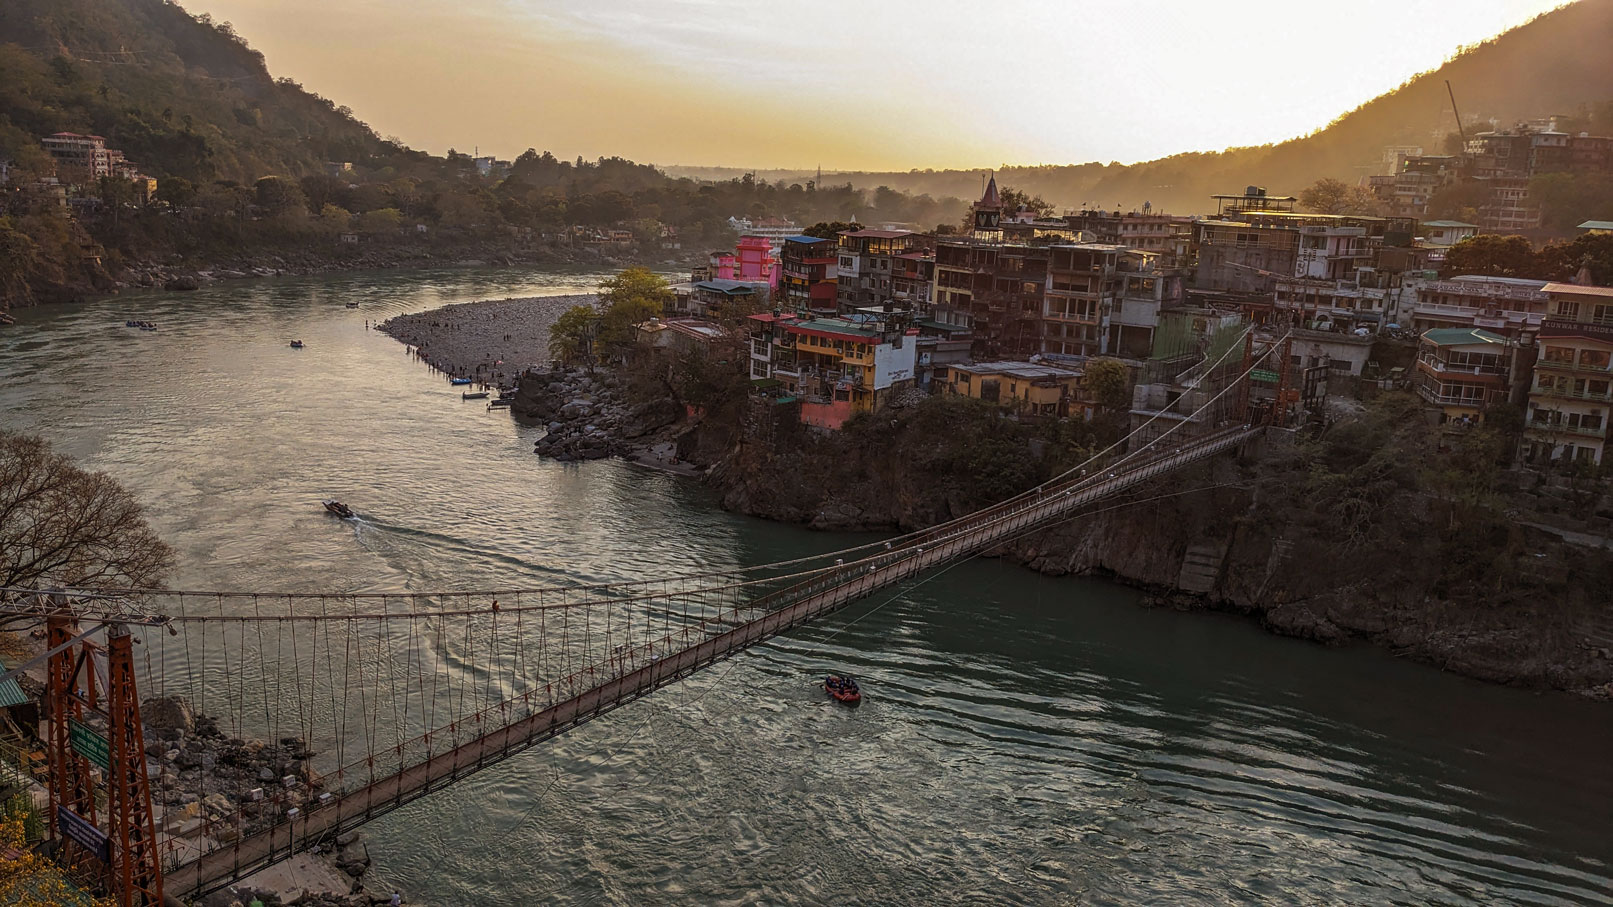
(1490, 322)
(77, 828)
(87, 743)
(893, 364)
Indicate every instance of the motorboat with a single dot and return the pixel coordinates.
(296, 344)
(502, 401)
(842, 688)
(460, 382)
(473, 395)
(340, 509)
(352, 305)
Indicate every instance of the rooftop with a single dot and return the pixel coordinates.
(1450, 223)
(726, 287)
(1528, 282)
(1461, 336)
(1028, 371)
(806, 239)
(1597, 225)
(1577, 289)
(834, 326)
(876, 234)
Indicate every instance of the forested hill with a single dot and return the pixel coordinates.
(179, 95)
(1559, 63)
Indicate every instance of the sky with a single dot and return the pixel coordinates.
(852, 84)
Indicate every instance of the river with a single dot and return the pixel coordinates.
(1023, 740)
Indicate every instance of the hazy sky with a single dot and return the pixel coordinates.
(888, 84)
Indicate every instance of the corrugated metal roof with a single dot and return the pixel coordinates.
(10, 693)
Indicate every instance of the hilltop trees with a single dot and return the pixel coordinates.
(1514, 256)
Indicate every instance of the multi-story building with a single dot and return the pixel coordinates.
(1406, 192)
(1000, 285)
(1463, 371)
(79, 158)
(775, 229)
(1144, 230)
(1572, 394)
(1439, 235)
(867, 265)
(837, 367)
(1508, 306)
(809, 275)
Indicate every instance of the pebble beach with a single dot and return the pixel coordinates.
(491, 341)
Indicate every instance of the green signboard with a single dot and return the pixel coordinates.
(87, 743)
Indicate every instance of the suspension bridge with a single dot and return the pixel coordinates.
(384, 698)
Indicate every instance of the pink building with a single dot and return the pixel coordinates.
(756, 260)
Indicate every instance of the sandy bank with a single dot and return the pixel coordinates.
(493, 340)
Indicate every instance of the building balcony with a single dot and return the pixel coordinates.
(1599, 371)
(1454, 369)
(1433, 395)
(1568, 394)
(1563, 428)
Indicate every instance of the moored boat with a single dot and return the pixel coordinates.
(502, 401)
(842, 688)
(473, 395)
(459, 382)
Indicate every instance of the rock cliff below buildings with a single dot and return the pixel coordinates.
(1362, 535)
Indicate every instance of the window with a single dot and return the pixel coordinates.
(1560, 355)
(1594, 358)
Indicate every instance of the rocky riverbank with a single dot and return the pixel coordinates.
(589, 417)
(206, 782)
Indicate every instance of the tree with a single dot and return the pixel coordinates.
(1332, 196)
(277, 196)
(30, 879)
(1108, 383)
(61, 525)
(175, 192)
(828, 229)
(1492, 255)
(571, 337)
(381, 220)
(634, 296)
(1013, 199)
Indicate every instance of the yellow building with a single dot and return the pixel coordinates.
(1024, 387)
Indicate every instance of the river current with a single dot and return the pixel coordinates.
(1023, 740)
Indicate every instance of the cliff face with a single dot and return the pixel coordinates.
(1335, 542)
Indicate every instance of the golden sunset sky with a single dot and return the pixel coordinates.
(853, 84)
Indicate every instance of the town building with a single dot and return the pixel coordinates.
(718, 298)
(1508, 306)
(1446, 233)
(809, 275)
(1167, 235)
(83, 159)
(1407, 191)
(867, 266)
(754, 261)
(1572, 393)
(1256, 240)
(1463, 371)
(1027, 388)
(683, 334)
(837, 368)
(774, 229)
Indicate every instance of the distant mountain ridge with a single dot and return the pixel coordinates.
(1561, 62)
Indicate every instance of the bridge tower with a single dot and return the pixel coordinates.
(87, 679)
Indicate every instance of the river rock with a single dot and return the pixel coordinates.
(168, 713)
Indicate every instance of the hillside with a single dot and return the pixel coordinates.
(1558, 63)
(178, 95)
